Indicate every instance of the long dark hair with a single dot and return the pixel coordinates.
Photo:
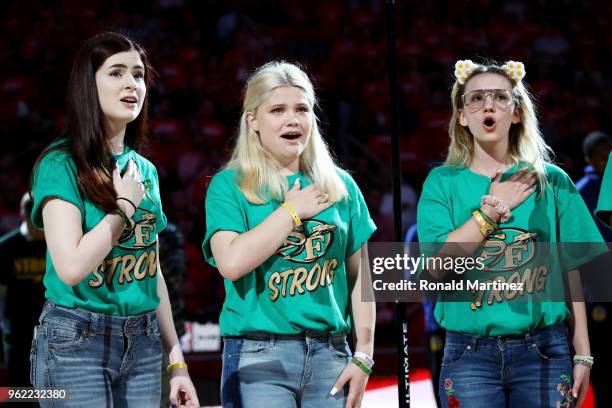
(83, 137)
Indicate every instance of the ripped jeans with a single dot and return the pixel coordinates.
(530, 370)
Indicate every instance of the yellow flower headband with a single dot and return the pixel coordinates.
(464, 68)
(515, 70)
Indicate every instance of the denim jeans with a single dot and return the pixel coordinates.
(278, 371)
(99, 360)
(532, 370)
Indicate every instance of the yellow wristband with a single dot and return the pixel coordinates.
(296, 218)
(485, 228)
(176, 365)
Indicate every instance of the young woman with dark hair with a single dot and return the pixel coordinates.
(107, 314)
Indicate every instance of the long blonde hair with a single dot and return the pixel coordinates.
(525, 144)
(259, 173)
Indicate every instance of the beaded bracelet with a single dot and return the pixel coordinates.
(584, 360)
(502, 209)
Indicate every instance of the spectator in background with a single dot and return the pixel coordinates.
(408, 203)
(600, 312)
(22, 267)
(596, 148)
(604, 206)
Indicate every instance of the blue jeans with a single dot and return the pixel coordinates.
(100, 360)
(280, 371)
(532, 370)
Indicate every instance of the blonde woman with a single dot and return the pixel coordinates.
(497, 184)
(286, 229)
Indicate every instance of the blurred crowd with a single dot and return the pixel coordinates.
(204, 50)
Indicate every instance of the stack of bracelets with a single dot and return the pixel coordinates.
(486, 224)
(363, 361)
(584, 360)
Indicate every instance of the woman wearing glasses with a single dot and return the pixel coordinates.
(497, 189)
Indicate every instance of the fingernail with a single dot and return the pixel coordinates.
(333, 391)
(575, 395)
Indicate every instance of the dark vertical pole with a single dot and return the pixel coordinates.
(401, 321)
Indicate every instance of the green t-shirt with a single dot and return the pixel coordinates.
(604, 205)
(304, 284)
(449, 196)
(125, 283)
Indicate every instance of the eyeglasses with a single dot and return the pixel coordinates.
(475, 100)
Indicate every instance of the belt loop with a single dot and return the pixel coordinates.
(473, 343)
(93, 324)
(272, 340)
(150, 319)
(529, 340)
(49, 305)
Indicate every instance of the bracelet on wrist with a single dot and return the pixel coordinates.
(489, 219)
(294, 216)
(502, 209)
(363, 356)
(361, 365)
(176, 365)
(129, 201)
(124, 217)
(584, 360)
(486, 229)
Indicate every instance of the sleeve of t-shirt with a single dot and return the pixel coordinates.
(224, 211)
(362, 226)
(434, 221)
(579, 236)
(55, 177)
(604, 205)
(162, 221)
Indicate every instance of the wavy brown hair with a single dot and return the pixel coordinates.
(83, 137)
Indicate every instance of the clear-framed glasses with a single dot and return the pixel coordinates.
(475, 100)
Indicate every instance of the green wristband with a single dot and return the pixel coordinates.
(364, 367)
(488, 219)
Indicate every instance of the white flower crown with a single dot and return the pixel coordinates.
(464, 68)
